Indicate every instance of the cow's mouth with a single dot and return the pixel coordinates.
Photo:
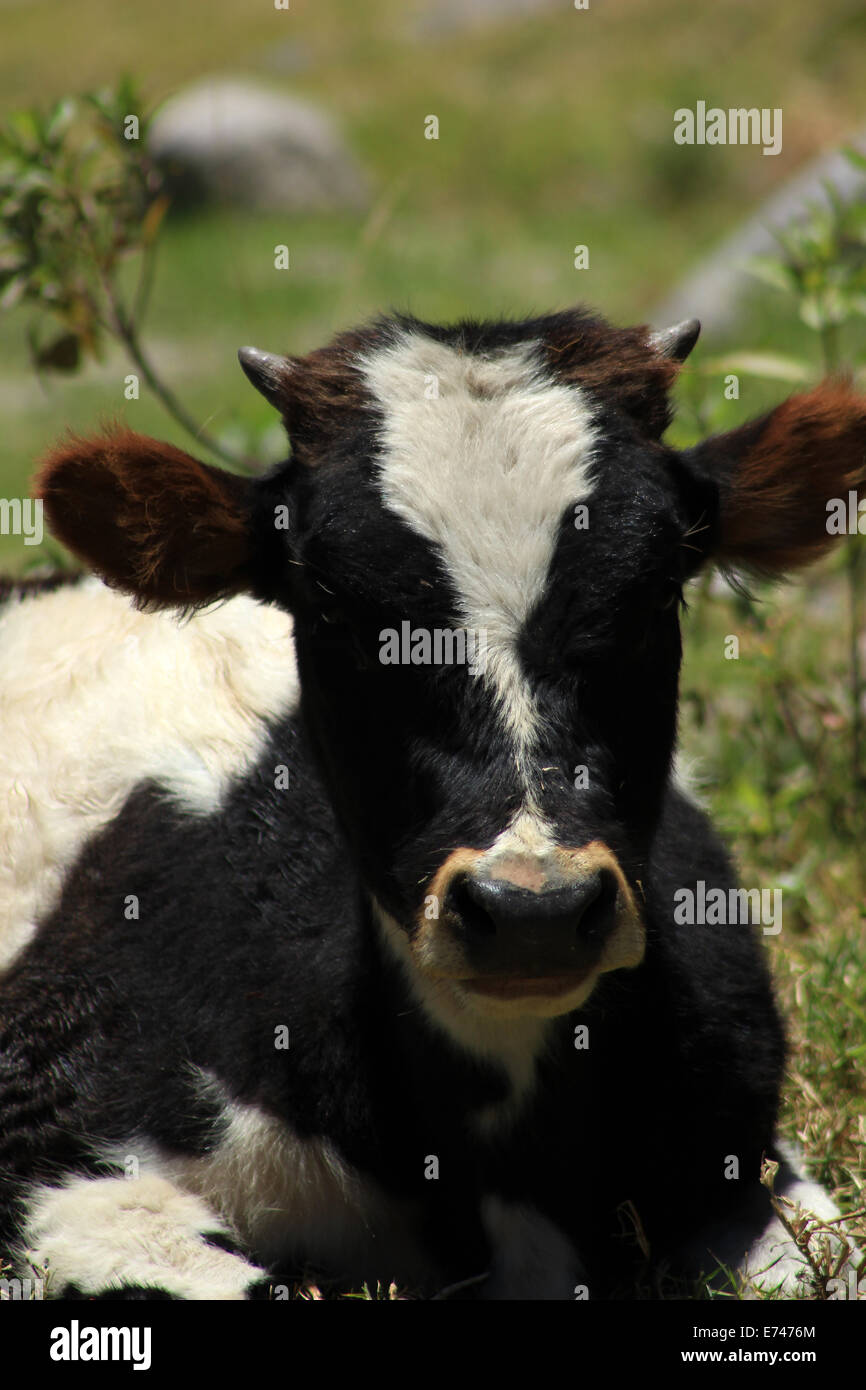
(521, 987)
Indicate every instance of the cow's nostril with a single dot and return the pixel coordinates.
(598, 913)
(469, 907)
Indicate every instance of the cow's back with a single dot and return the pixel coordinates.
(97, 698)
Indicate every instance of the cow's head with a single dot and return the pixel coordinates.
(484, 542)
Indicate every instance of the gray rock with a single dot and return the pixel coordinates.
(232, 141)
(713, 290)
(438, 18)
(286, 57)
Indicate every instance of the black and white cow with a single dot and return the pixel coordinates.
(318, 960)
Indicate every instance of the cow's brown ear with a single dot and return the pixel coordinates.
(783, 479)
(148, 518)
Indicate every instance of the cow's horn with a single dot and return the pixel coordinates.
(267, 371)
(678, 341)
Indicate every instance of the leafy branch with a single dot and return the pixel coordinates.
(80, 199)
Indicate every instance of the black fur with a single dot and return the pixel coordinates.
(683, 1068)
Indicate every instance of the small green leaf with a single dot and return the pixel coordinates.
(772, 272)
(60, 121)
(812, 313)
(14, 292)
(772, 365)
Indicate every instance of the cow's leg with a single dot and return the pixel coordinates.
(129, 1238)
(773, 1263)
(755, 1245)
(531, 1258)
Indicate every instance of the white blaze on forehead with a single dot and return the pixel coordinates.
(483, 455)
(524, 852)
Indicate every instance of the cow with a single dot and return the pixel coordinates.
(333, 949)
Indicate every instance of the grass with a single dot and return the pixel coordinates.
(772, 733)
(554, 130)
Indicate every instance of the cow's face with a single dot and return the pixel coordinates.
(485, 561)
(483, 542)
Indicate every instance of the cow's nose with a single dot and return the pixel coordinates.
(507, 929)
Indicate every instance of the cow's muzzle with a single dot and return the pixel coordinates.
(510, 930)
(519, 927)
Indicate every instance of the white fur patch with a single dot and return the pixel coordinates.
(283, 1196)
(529, 838)
(773, 1263)
(532, 1258)
(96, 697)
(289, 1197)
(102, 1233)
(485, 470)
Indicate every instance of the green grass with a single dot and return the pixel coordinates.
(554, 130)
(772, 733)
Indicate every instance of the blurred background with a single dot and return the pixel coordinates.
(307, 128)
(555, 130)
